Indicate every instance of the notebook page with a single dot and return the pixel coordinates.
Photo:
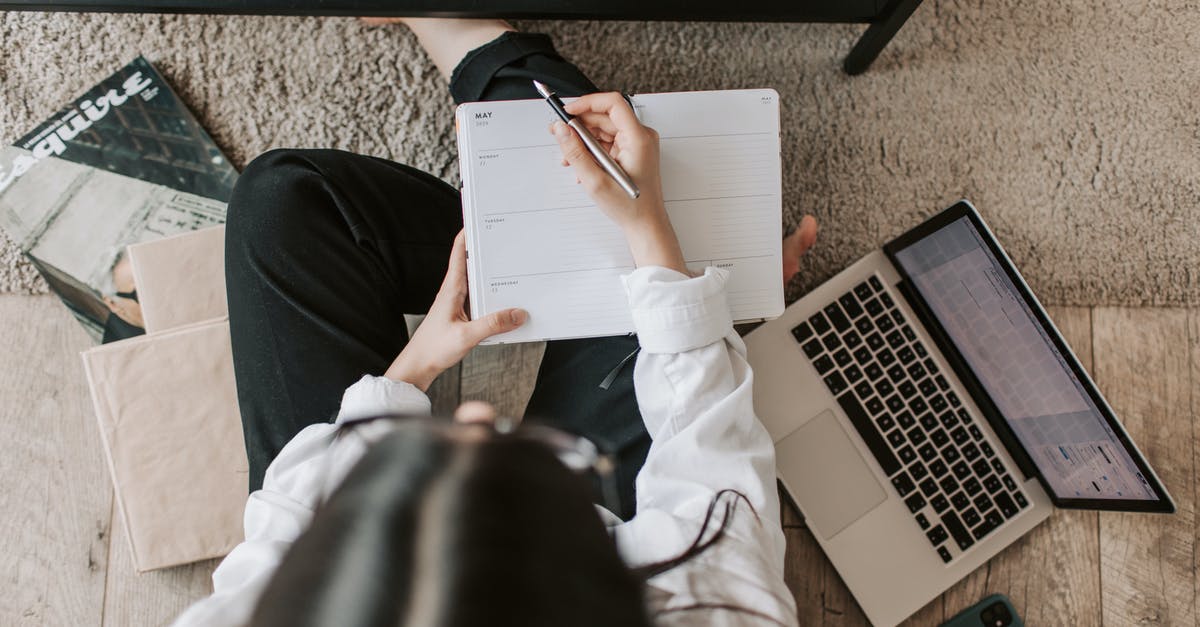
(536, 241)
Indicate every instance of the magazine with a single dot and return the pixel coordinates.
(124, 163)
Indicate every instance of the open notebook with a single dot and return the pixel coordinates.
(536, 241)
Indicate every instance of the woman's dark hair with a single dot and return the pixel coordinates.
(439, 532)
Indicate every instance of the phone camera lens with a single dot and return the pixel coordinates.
(996, 615)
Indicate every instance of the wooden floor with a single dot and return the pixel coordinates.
(65, 561)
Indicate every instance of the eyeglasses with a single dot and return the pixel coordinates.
(578, 453)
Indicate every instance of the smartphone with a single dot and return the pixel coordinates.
(993, 611)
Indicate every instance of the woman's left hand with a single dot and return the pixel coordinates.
(447, 334)
(796, 244)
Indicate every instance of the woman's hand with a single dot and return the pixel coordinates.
(447, 333)
(643, 219)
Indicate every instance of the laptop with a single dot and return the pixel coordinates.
(926, 414)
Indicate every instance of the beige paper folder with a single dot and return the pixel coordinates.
(181, 279)
(168, 413)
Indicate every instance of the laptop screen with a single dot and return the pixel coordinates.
(1014, 359)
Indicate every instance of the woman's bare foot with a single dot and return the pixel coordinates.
(447, 40)
(796, 244)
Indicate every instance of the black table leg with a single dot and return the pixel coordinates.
(878, 35)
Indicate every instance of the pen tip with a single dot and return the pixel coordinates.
(541, 89)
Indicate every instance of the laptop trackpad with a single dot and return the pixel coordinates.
(829, 478)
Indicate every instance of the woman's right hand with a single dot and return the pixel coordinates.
(643, 219)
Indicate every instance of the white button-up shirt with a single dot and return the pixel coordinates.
(693, 388)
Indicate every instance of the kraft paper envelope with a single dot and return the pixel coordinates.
(168, 415)
(181, 279)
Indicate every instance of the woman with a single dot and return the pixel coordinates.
(407, 520)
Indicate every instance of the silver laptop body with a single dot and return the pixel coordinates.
(881, 439)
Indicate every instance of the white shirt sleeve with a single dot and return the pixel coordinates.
(295, 482)
(694, 390)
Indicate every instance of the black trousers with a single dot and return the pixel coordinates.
(326, 250)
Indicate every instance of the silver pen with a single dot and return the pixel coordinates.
(602, 157)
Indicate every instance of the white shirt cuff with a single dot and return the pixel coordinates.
(673, 313)
(373, 396)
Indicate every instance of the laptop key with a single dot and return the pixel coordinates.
(942, 383)
(886, 299)
(884, 323)
(922, 521)
(916, 436)
(980, 467)
(873, 371)
(939, 503)
(948, 420)
(929, 487)
(960, 501)
(863, 390)
(852, 340)
(875, 341)
(885, 358)
(970, 451)
(853, 374)
(885, 423)
(908, 333)
(918, 471)
(895, 339)
(819, 323)
(842, 357)
(915, 502)
(831, 342)
(953, 398)
(928, 387)
(983, 528)
(971, 517)
(905, 355)
(897, 317)
(884, 387)
(863, 291)
(927, 451)
(972, 487)
(866, 430)
(917, 405)
(850, 305)
(975, 432)
(949, 485)
(961, 470)
(944, 553)
(938, 403)
(957, 530)
(937, 535)
(835, 383)
(802, 332)
(987, 449)
(896, 438)
(1009, 483)
(998, 466)
(992, 483)
(1006, 506)
(823, 364)
(836, 317)
(896, 373)
(907, 389)
(906, 454)
(894, 403)
(813, 348)
(983, 502)
(1020, 498)
(903, 484)
(916, 371)
(929, 422)
(938, 468)
(875, 406)
(939, 437)
(930, 365)
(950, 454)
(864, 325)
(875, 284)
(905, 419)
(862, 356)
(920, 350)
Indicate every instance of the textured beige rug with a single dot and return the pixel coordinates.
(1072, 125)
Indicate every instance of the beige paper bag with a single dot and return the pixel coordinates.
(181, 279)
(168, 414)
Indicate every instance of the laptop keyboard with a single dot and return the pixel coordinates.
(931, 448)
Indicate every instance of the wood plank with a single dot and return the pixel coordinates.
(502, 375)
(445, 392)
(55, 493)
(1052, 574)
(1147, 562)
(153, 598)
(804, 574)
